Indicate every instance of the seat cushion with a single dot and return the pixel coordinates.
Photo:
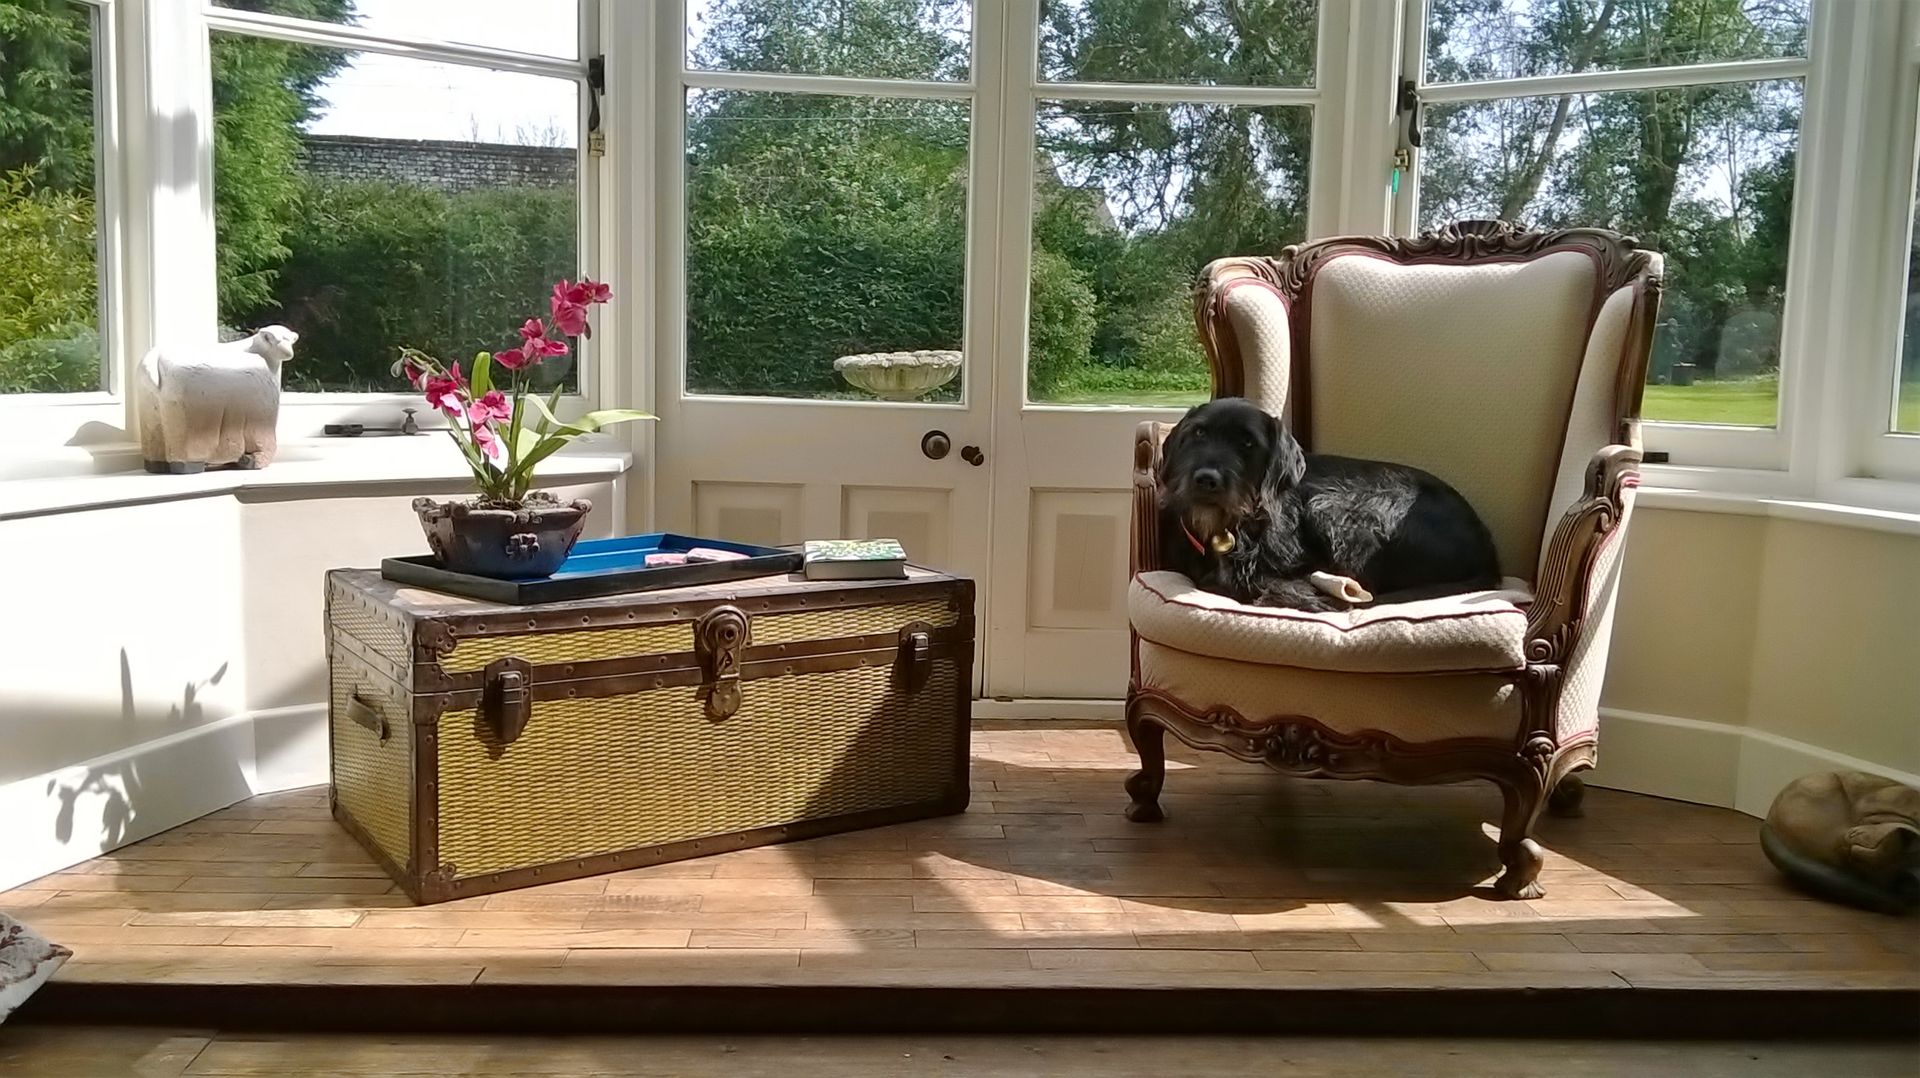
(1415, 708)
(1477, 630)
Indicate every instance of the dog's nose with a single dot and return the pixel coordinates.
(1207, 479)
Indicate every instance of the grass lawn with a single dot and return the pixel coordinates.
(1751, 402)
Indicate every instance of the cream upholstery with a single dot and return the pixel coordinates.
(1413, 708)
(1464, 370)
(1577, 715)
(1481, 630)
(1258, 317)
(1590, 420)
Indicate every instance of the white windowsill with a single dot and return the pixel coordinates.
(77, 483)
(1811, 510)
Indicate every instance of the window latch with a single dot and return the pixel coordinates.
(355, 430)
(1409, 104)
(596, 85)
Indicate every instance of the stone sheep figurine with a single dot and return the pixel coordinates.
(213, 405)
(1848, 836)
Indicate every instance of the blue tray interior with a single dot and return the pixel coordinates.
(628, 553)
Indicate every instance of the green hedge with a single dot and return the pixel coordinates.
(375, 265)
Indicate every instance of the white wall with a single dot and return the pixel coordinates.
(1751, 649)
(162, 660)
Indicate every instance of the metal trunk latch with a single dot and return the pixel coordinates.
(507, 701)
(916, 654)
(720, 636)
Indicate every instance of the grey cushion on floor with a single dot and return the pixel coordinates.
(27, 960)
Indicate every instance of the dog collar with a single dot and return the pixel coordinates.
(1221, 543)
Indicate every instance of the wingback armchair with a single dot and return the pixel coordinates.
(1509, 363)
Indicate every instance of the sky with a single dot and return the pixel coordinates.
(394, 97)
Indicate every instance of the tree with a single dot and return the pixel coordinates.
(264, 91)
(46, 92)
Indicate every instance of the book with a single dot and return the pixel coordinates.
(854, 559)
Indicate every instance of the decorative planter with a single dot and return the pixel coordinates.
(899, 376)
(507, 544)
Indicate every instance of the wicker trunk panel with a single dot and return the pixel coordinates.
(595, 776)
(850, 621)
(373, 779)
(374, 626)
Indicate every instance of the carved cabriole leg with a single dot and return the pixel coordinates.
(1143, 786)
(1525, 791)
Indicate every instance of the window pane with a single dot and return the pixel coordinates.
(1208, 42)
(1130, 201)
(1469, 40)
(546, 27)
(1906, 416)
(820, 227)
(369, 202)
(49, 261)
(1703, 174)
(875, 39)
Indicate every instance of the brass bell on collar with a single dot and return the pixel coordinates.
(1221, 543)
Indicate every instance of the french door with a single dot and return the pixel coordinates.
(1010, 180)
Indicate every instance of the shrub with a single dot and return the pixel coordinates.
(49, 289)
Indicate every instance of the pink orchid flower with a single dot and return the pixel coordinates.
(538, 344)
(445, 393)
(488, 440)
(513, 359)
(493, 405)
(595, 291)
(569, 317)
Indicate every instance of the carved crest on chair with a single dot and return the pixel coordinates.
(1619, 258)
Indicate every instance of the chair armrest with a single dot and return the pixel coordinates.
(1143, 554)
(1564, 591)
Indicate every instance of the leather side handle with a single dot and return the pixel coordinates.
(364, 713)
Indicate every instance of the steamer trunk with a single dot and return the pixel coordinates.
(478, 747)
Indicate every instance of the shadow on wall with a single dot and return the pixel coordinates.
(114, 790)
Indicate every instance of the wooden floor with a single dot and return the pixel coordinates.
(1253, 881)
(92, 1053)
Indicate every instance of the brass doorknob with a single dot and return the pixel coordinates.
(972, 455)
(935, 444)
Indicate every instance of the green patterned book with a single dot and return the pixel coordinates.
(855, 559)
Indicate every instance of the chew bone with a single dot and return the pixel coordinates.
(1341, 587)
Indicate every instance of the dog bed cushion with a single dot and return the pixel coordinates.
(1476, 630)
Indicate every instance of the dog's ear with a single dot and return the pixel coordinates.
(1169, 445)
(1288, 463)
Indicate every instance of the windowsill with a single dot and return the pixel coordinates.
(1810, 510)
(315, 467)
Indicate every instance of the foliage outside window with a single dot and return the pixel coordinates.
(821, 225)
(49, 244)
(1132, 198)
(1703, 173)
(372, 201)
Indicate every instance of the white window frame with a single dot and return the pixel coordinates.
(1882, 452)
(159, 240)
(1720, 446)
(38, 418)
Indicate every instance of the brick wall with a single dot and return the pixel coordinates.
(448, 166)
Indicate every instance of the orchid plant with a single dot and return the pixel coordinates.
(502, 428)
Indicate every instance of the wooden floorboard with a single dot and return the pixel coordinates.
(162, 1053)
(1253, 884)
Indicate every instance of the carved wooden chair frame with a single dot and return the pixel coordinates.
(1536, 766)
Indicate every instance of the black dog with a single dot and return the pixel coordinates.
(1246, 513)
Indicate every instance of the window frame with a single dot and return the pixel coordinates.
(1883, 452)
(305, 414)
(157, 197)
(1725, 448)
(27, 418)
